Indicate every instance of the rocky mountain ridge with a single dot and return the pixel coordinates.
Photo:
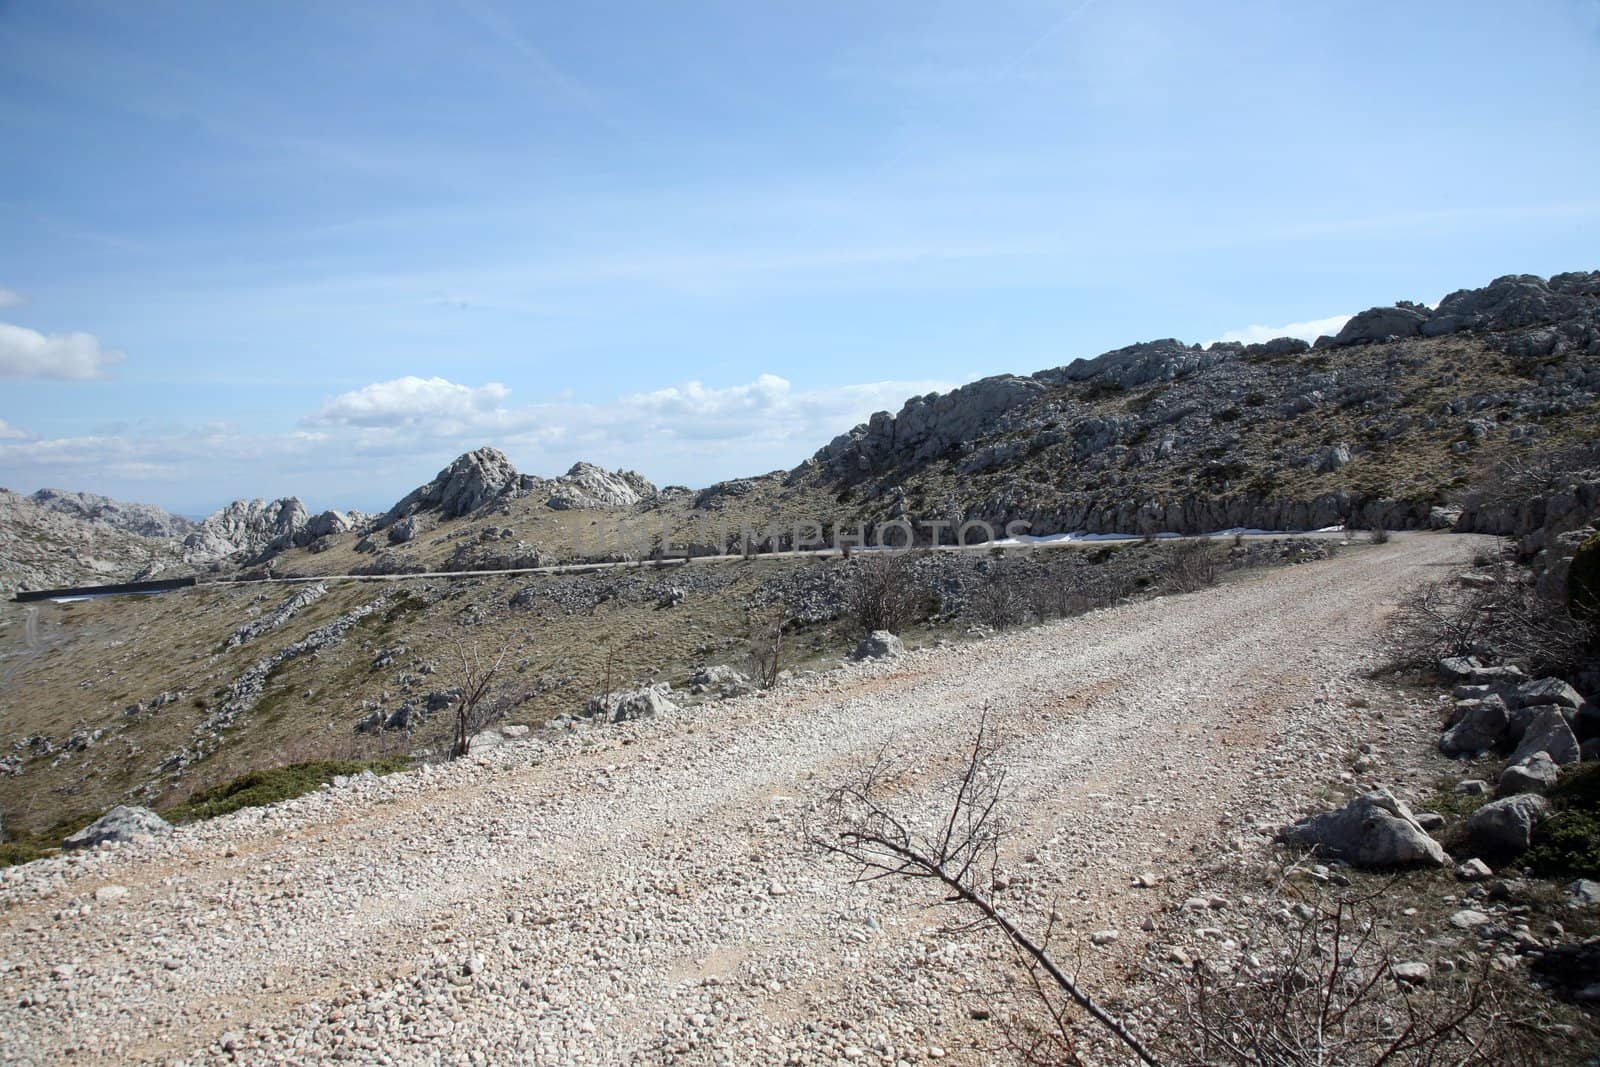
(1377, 425)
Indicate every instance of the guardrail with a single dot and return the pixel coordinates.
(158, 586)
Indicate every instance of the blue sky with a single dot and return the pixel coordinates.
(319, 249)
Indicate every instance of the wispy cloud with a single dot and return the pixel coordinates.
(10, 298)
(1308, 331)
(26, 353)
(11, 433)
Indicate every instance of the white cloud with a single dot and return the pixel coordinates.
(1308, 331)
(10, 298)
(409, 401)
(10, 433)
(26, 353)
(368, 447)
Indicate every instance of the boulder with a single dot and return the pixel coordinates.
(403, 530)
(1457, 668)
(122, 823)
(1375, 830)
(1380, 324)
(879, 644)
(720, 679)
(1547, 731)
(627, 705)
(1543, 691)
(1535, 774)
(1505, 827)
(1479, 726)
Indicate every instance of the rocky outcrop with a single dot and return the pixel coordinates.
(1383, 324)
(467, 484)
(146, 520)
(587, 486)
(46, 547)
(249, 528)
(926, 426)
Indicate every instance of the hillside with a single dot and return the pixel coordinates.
(152, 698)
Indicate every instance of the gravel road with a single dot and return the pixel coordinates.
(641, 893)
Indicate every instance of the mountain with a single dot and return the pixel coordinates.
(55, 544)
(1379, 425)
(146, 520)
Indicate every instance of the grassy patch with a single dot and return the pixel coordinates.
(1568, 844)
(258, 788)
(15, 852)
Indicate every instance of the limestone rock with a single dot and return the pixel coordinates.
(1505, 827)
(121, 823)
(1379, 324)
(1481, 725)
(626, 705)
(1534, 774)
(879, 644)
(469, 482)
(1375, 830)
(588, 486)
(1547, 731)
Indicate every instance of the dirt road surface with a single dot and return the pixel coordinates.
(642, 893)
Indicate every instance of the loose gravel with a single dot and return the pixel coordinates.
(643, 894)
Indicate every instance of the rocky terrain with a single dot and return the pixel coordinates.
(1170, 748)
(643, 892)
(50, 540)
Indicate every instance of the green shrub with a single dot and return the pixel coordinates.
(15, 852)
(1568, 844)
(258, 788)
(1583, 580)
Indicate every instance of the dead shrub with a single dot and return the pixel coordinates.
(1500, 616)
(765, 643)
(1189, 566)
(883, 593)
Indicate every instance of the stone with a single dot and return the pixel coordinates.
(1534, 774)
(1457, 668)
(1472, 787)
(1411, 973)
(403, 530)
(1382, 323)
(514, 732)
(484, 740)
(1474, 870)
(122, 823)
(719, 679)
(1104, 937)
(1584, 891)
(1505, 827)
(1468, 919)
(1547, 731)
(631, 704)
(110, 894)
(1481, 725)
(1544, 691)
(1429, 820)
(879, 644)
(1374, 830)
